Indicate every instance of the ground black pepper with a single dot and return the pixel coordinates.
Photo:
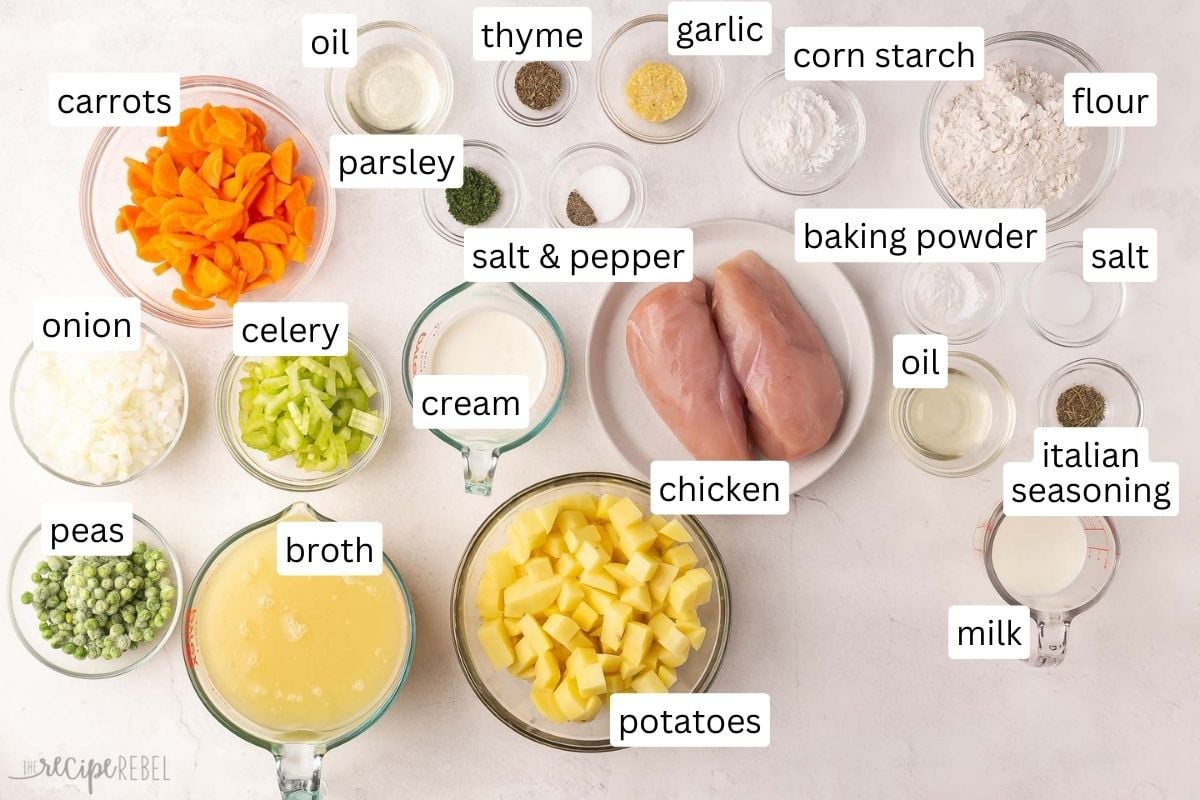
(1080, 406)
(538, 85)
(578, 210)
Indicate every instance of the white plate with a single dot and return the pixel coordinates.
(626, 415)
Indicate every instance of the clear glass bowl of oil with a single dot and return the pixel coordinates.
(402, 83)
(961, 429)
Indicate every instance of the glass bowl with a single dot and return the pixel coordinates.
(1063, 307)
(1057, 56)
(1122, 397)
(923, 317)
(507, 697)
(1000, 429)
(497, 165)
(372, 39)
(103, 190)
(576, 160)
(645, 39)
(25, 622)
(510, 104)
(853, 135)
(18, 378)
(282, 473)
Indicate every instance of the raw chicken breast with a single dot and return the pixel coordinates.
(681, 365)
(781, 361)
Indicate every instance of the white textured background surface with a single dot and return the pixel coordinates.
(840, 608)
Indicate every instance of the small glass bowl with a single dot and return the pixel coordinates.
(510, 104)
(1057, 56)
(574, 162)
(645, 39)
(25, 622)
(18, 374)
(1122, 397)
(1069, 324)
(1000, 432)
(507, 697)
(850, 117)
(497, 165)
(103, 190)
(969, 330)
(282, 473)
(391, 34)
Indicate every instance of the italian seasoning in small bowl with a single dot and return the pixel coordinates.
(1090, 393)
(536, 93)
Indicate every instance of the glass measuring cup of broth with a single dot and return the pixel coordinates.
(294, 664)
(1058, 567)
(489, 329)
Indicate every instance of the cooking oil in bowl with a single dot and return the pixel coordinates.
(949, 423)
(393, 89)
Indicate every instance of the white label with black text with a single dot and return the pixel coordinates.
(919, 361)
(87, 528)
(290, 329)
(395, 161)
(1110, 99)
(1120, 255)
(549, 33)
(989, 632)
(883, 54)
(113, 99)
(720, 487)
(87, 324)
(856, 235)
(329, 40)
(560, 255)
(329, 548)
(471, 402)
(706, 719)
(718, 28)
(1091, 472)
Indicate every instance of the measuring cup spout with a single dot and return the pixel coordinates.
(479, 468)
(299, 769)
(1051, 641)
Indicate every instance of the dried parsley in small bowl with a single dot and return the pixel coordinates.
(476, 201)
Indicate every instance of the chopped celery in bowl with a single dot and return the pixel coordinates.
(303, 423)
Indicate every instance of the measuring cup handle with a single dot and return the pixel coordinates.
(1051, 642)
(479, 468)
(299, 769)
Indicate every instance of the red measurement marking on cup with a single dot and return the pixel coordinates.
(1103, 550)
(189, 651)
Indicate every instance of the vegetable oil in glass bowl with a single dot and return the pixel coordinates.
(394, 89)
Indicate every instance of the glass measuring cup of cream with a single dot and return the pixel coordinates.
(490, 329)
(294, 664)
(1058, 567)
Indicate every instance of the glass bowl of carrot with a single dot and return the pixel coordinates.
(233, 202)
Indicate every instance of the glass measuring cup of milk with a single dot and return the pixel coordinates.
(1058, 567)
(489, 329)
(294, 664)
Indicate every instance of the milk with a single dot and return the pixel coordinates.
(1038, 556)
(491, 342)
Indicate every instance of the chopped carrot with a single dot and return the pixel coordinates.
(217, 206)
